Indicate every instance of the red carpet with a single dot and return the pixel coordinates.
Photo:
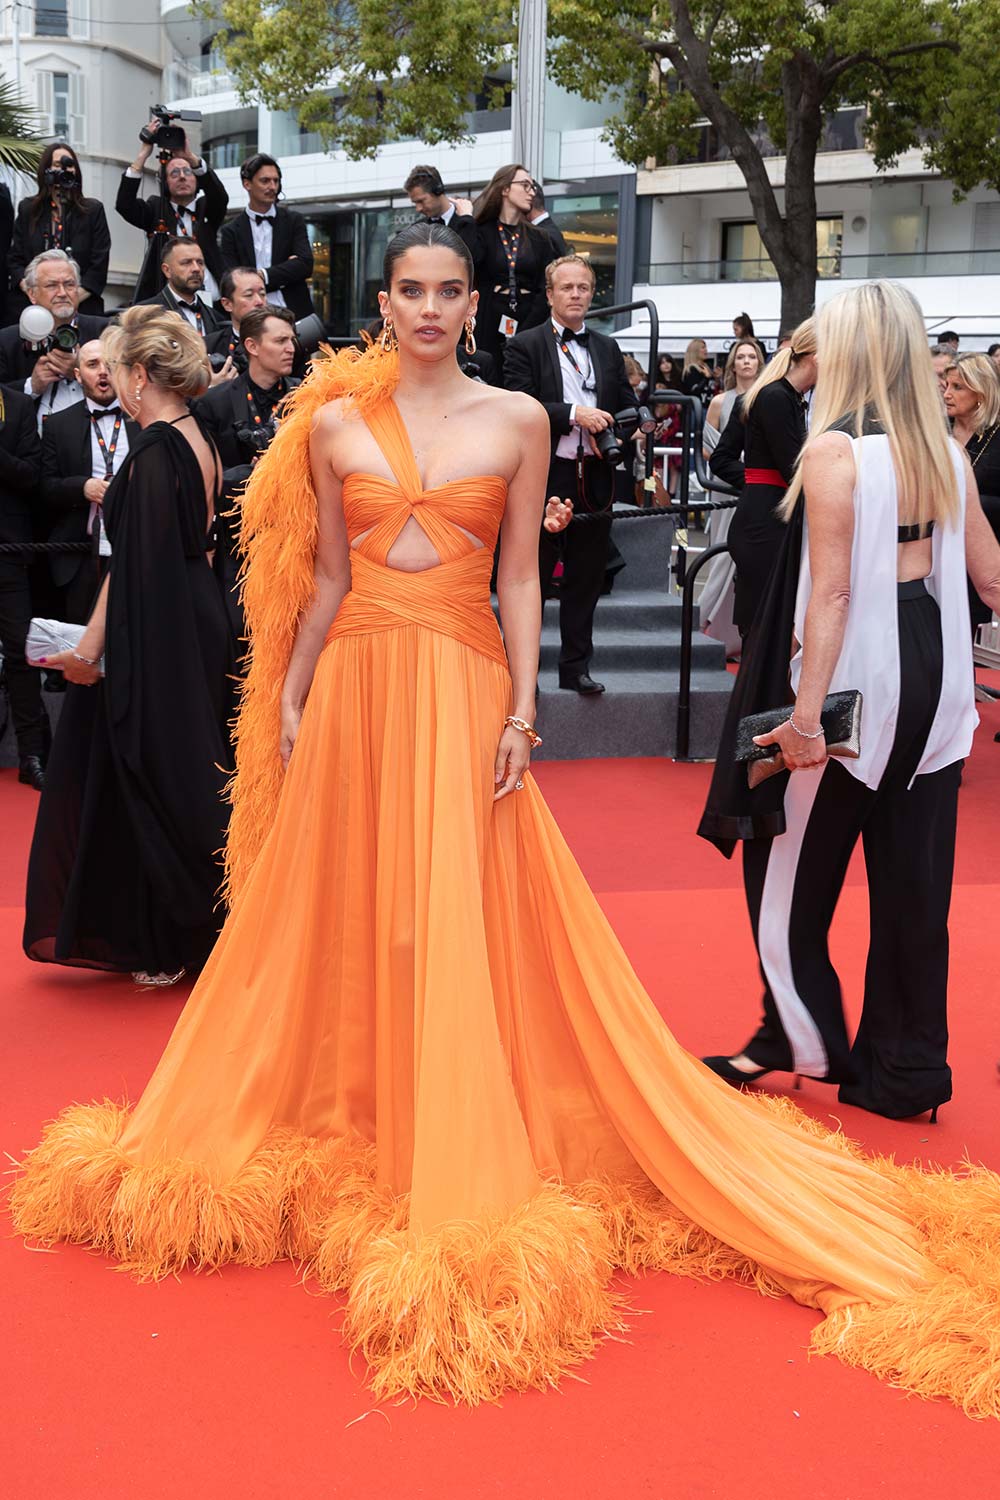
(235, 1385)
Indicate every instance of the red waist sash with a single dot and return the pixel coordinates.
(764, 476)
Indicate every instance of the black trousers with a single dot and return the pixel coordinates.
(897, 1065)
(754, 539)
(583, 550)
(31, 725)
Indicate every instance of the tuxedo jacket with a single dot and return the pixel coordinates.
(554, 234)
(211, 319)
(209, 211)
(17, 362)
(20, 459)
(86, 238)
(531, 364)
(291, 256)
(222, 410)
(67, 464)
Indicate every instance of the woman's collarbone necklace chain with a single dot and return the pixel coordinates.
(985, 443)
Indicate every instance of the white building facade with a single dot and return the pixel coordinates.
(91, 69)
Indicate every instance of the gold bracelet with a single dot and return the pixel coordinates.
(534, 738)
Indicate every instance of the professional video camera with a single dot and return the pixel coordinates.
(624, 424)
(39, 333)
(168, 137)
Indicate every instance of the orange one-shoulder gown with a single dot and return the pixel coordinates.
(419, 1059)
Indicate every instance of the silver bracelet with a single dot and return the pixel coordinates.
(87, 660)
(801, 732)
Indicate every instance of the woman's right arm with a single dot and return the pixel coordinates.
(332, 573)
(982, 550)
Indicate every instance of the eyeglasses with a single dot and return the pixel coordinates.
(180, 172)
(56, 286)
(523, 182)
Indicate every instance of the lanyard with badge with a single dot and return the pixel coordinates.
(589, 384)
(510, 239)
(108, 455)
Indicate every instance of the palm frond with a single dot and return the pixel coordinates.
(20, 144)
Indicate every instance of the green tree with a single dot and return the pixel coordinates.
(924, 70)
(20, 146)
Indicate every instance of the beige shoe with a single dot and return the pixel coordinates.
(156, 981)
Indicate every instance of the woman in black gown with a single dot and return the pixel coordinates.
(759, 449)
(59, 217)
(124, 867)
(510, 258)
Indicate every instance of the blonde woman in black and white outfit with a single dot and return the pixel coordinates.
(892, 519)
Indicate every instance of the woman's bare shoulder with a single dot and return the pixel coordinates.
(334, 416)
(514, 406)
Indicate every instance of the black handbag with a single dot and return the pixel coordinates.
(840, 720)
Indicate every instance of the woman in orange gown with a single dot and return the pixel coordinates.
(418, 1058)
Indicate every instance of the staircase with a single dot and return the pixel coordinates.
(637, 641)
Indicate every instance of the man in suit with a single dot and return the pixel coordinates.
(541, 219)
(273, 239)
(427, 193)
(83, 448)
(239, 415)
(195, 208)
(51, 281)
(579, 377)
(20, 453)
(242, 290)
(6, 231)
(183, 267)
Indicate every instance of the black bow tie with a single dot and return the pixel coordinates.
(568, 335)
(437, 219)
(264, 218)
(107, 411)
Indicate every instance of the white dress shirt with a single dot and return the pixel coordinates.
(55, 397)
(98, 465)
(579, 389)
(263, 236)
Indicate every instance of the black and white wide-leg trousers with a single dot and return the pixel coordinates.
(898, 1064)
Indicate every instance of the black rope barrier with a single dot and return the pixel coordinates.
(44, 548)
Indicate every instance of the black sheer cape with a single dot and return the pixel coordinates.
(125, 863)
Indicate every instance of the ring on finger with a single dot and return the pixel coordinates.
(519, 786)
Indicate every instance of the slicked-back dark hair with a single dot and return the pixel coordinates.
(227, 286)
(424, 235)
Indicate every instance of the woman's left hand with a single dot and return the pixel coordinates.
(798, 752)
(513, 759)
(72, 668)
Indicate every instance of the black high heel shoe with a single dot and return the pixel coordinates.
(723, 1068)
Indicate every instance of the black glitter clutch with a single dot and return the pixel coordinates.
(840, 720)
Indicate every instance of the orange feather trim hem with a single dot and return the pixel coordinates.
(510, 1301)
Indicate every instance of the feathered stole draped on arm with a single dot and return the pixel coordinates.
(278, 541)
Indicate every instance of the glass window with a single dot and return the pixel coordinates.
(589, 224)
(745, 259)
(52, 18)
(60, 104)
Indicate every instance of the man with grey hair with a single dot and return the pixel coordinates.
(52, 281)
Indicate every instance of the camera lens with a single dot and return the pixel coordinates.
(65, 338)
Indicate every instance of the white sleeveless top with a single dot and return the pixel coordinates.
(869, 658)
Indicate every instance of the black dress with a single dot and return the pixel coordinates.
(773, 435)
(984, 451)
(83, 234)
(533, 251)
(124, 868)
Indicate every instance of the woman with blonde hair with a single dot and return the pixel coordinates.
(697, 379)
(972, 401)
(759, 449)
(876, 595)
(744, 364)
(124, 869)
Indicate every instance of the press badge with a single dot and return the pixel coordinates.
(508, 326)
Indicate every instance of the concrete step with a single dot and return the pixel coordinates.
(645, 546)
(635, 648)
(637, 715)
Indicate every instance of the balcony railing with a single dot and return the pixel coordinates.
(196, 77)
(844, 267)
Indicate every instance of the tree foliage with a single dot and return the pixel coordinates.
(364, 72)
(20, 146)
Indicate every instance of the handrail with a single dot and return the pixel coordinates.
(682, 736)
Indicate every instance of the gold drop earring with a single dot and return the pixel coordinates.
(470, 336)
(388, 341)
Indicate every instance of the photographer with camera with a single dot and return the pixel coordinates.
(273, 239)
(240, 418)
(38, 355)
(578, 375)
(59, 217)
(241, 291)
(193, 207)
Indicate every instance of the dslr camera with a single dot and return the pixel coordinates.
(168, 137)
(60, 177)
(624, 425)
(256, 440)
(40, 334)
